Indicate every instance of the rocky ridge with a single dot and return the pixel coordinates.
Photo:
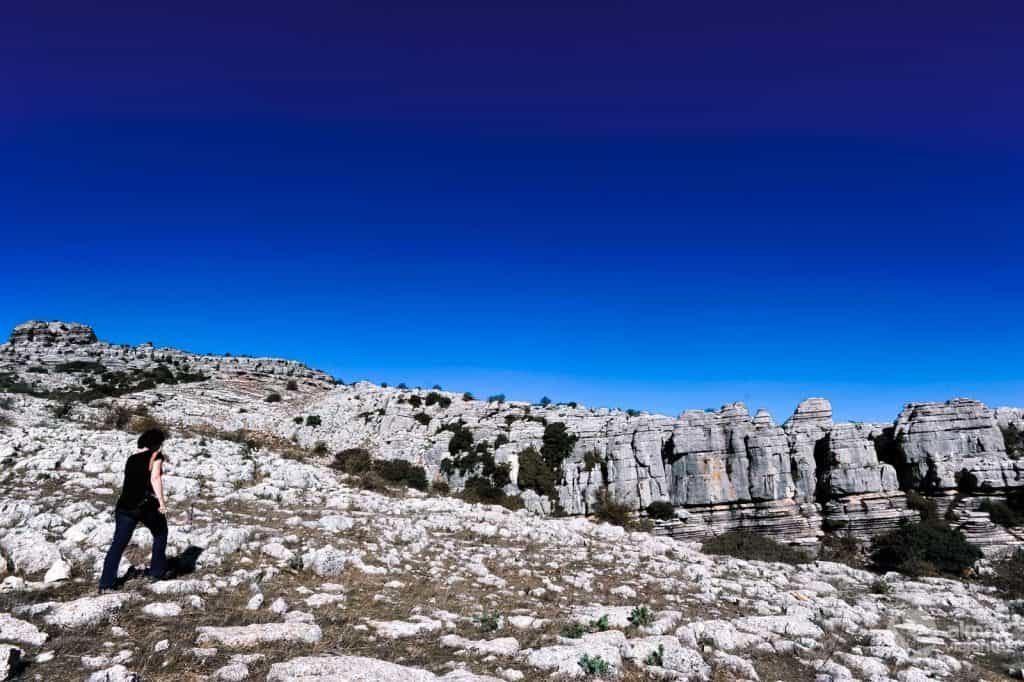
(721, 469)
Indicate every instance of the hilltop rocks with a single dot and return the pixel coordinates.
(850, 465)
(37, 331)
(939, 440)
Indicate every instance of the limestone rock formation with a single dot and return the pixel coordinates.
(721, 469)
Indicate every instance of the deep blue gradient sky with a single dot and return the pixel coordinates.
(648, 205)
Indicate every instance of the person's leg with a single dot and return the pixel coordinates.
(157, 525)
(124, 525)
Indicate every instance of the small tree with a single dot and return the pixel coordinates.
(292, 385)
(545, 401)
(273, 398)
(313, 420)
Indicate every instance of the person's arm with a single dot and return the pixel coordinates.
(156, 479)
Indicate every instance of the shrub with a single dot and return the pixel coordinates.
(402, 472)
(842, 548)
(320, 448)
(5, 421)
(640, 616)
(488, 621)
(593, 459)
(415, 401)
(422, 417)
(499, 440)
(143, 422)
(297, 420)
(593, 665)
(435, 398)
(545, 401)
(661, 510)
(924, 548)
(925, 506)
(1008, 576)
(462, 439)
(600, 625)
(574, 630)
(273, 398)
(534, 474)
(402, 386)
(62, 410)
(313, 420)
(557, 444)
(437, 387)
(881, 586)
(38, 370)
(353, 461)
(1014, 438)
(80, 366)
(441, 487)
(632, 413)
(467, 396)
(611, 510)
(750, 546)
(1002, 513)
(496, 398)
(292, 385)
(117, 417)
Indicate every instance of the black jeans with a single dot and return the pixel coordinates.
(124, 526)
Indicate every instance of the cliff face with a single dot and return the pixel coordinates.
(721, 469)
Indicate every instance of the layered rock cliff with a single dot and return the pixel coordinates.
(720, 469)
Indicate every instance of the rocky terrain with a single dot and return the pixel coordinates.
(292, 570)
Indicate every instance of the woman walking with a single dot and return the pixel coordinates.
(141, 501)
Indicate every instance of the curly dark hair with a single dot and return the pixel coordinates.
(152, 439)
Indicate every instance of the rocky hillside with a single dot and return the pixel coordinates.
(720, 469)
(290, 571)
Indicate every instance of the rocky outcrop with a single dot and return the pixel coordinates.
(721, 469)
(48, 333)
(939, 441)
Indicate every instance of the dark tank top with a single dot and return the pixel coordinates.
(136, 487)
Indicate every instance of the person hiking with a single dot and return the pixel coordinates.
(141, 501)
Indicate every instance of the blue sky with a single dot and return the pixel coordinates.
(652, 207)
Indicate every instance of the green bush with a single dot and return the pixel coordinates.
(462, 439)
(435, 398)
(422, 417)
(496, 398)
(38, 370)
(545, 401)
(402, 472)
(925, 506)
(80, 366)
(842, 548)
(611, 510)
(641, 616)
(593, 665)
(441, 488)
(750, 546)
(415, 401)
(273, 398)
(297, 420)
(924, 549)
(499, 440)
(557, 445)
(353, 461)
(1008, 576)
(632, 413)
(320, 448)
(574, 630)
(467, 396)
(1001, 513)
(535, 474)
(292, 385)
(313, 420)
(1014, 438)
(661, 510)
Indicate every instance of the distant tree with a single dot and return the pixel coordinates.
(497, 398)
(545, 401)
(467, 396)
(437, 387)
(292, 385)
(273, 398)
